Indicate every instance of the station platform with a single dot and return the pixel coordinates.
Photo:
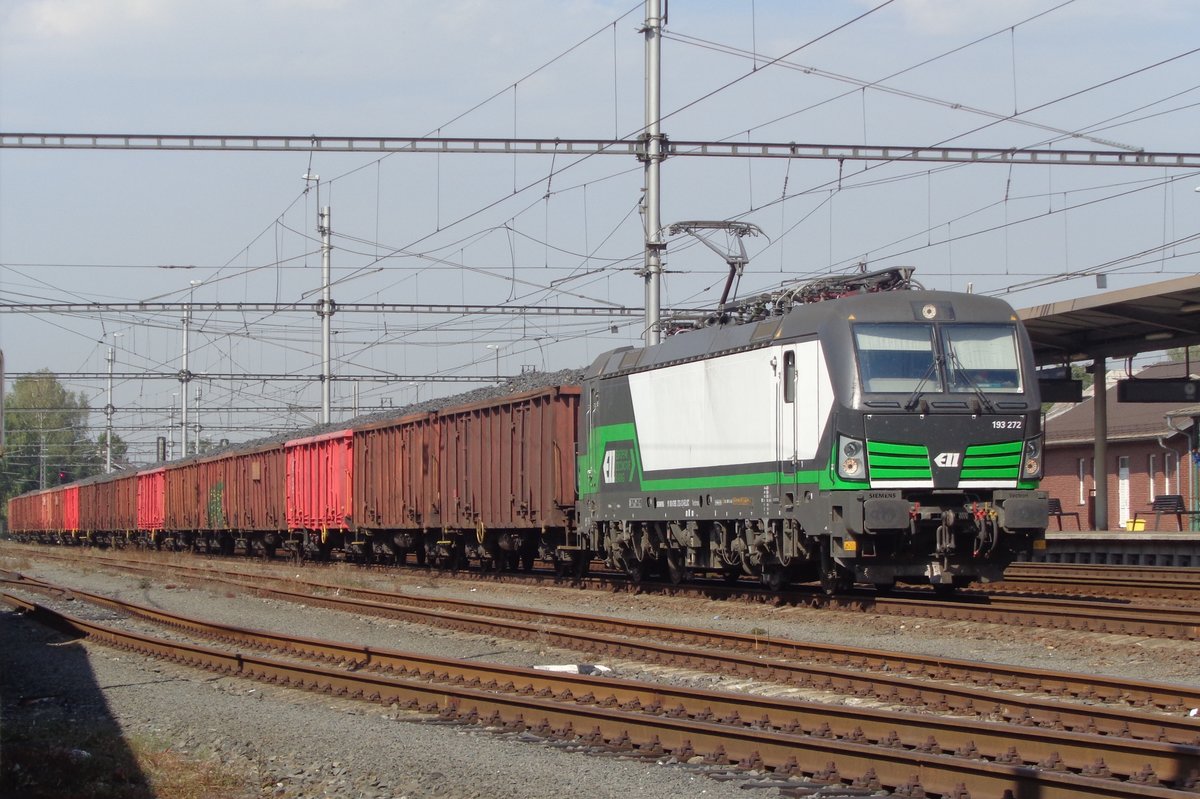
(1120, 547)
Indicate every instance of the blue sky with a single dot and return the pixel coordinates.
(78, 226)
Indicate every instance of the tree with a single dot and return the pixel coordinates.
(119, 449)
(47, 436)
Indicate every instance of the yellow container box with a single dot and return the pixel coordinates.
(1135, 525)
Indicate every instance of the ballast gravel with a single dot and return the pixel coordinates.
(291, 744)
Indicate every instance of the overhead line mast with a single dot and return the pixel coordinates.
(652, 199)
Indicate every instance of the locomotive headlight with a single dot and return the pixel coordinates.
(1031, 459)
(851, 463)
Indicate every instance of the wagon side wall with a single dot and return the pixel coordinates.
(510, 463)
(320, 480)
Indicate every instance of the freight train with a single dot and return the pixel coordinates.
(856, 429)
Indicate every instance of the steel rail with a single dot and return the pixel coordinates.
(1171, 575)
(1088, 755)
(1055, 613)
(888, 676)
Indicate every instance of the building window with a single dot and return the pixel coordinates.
(1170, 474)
(1150, 464)
(1082, 481)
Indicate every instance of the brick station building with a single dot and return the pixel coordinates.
(1149, 455)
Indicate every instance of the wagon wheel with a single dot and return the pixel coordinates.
(528, 556)
(581, 564)
(454, 558)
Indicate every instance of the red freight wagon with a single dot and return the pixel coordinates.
(255, 498)
(70, 509)
(509, 463)
(396, 474)
(320, 482)
(152, 500)
(54, 509)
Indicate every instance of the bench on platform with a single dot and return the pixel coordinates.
(1169, 504)
(1057, 512)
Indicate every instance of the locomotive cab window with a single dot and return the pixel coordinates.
(896, 357)
(982, 358)
(789, 377)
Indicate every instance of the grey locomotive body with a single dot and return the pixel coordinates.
(877, 437)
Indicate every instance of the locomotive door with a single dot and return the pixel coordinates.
(786, 429)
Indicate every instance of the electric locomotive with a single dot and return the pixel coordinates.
(854, 430)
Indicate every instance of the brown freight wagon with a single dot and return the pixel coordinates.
(108, 508)
(211, 502)
(255, 490)
(31, 515)
(508, 472)
(186, 505)
(397, 500)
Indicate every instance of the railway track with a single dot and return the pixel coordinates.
(981, 690)
(1047, 612)
(1103, 580)
(812, 744)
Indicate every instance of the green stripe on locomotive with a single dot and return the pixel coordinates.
(886, 461)
(590, 468)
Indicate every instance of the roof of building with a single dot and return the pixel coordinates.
(1116, 324)
(1126, 420)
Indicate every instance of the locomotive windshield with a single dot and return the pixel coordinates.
(896, 357)
(982, 357)
(905, 357)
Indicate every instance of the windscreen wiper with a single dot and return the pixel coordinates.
(962, 370)
(916, 394)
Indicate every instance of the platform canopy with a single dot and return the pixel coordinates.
(1156, 316)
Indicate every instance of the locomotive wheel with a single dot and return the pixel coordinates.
(676, 570)
(835, 580)
(635, 569)
(774, 577)
(949, 589)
